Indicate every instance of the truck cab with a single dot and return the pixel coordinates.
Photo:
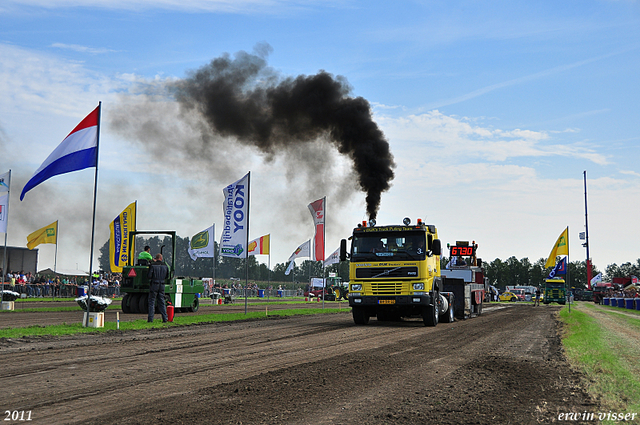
(555, 291)
(394, 272)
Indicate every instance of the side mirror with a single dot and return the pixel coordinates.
(343, 250)
(436, 247)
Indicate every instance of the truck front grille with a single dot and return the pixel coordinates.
(386, 288)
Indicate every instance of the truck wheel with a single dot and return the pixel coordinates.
(450, 316)
(360, 316)
(194, 306)
(430, 315)
(126, 308)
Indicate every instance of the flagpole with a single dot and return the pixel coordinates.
(213, 257)
(135, 227)
(568, 271)
(55, 258)
(93, 223)
(246, 252)
(324, 225)
(4, 259)
(586, 233)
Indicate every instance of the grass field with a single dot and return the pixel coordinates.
(604, 344)
(68, 329)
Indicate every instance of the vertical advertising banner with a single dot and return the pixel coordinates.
(201, 244)
(236, 217)
(119, 241)
(5, 181)
(4, 207)
(317, 212)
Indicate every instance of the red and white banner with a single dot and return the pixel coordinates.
(259, 246)
(317, 212)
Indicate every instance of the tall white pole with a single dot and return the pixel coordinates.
(246, 251)
(568, 270)
(55, 258)
(93, 222)
(4, 260)
(324, 225)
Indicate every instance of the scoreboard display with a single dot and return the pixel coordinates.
(462, 251)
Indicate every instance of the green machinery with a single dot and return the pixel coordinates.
(182, 292)
(555, 291)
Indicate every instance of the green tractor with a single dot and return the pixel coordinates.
(181, 292)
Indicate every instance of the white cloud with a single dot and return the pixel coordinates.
(472, 180)
(81, 49)
(436, 134)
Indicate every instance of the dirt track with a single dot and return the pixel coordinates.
(503, 367)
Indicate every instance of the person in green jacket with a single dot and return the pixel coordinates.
(145, 257)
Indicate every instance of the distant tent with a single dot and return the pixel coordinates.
(62, 272)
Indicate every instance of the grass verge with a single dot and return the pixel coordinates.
(76, 328)
(607, 355)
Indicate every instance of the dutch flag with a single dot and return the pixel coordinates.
(79, 150)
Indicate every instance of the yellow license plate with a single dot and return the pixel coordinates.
(386, 301)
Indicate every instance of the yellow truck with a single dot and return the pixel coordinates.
(394, 272)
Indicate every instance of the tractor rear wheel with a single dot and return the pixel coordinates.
(126, 308)
(134, 301)
(338, 293)
(143, 304)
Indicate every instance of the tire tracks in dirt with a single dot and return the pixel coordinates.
(301, 369)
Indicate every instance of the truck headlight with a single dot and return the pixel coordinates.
(418, 286)
(356, 287)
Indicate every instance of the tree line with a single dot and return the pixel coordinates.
(499, 273)
(523, 272)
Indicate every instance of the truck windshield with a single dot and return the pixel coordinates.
(388, 246)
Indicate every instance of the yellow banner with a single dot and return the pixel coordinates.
(119, 240)
(560, 248)
(48, 234)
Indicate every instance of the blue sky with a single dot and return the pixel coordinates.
(492, 110)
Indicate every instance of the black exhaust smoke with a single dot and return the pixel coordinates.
(242, 98)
